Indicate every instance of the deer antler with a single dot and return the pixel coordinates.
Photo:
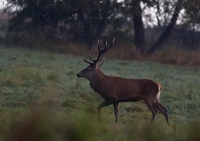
(102, 51)
(84, 60)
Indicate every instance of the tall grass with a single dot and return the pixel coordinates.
(41, 99)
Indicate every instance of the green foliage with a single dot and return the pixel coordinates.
(192, 10)
(41, 99)
(78, 21)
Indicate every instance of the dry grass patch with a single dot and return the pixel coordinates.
(176, 57)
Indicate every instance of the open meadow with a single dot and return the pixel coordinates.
(41, 99)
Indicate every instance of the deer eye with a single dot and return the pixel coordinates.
(88, 69)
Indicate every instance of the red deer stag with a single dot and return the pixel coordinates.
(116, 89)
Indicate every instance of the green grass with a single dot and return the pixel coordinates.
(42, 99)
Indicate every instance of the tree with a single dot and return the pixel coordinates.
(83, 21)
(192, 14)
(135, 9)
(138, 25)
(80, 21)
(161, 40)
(33, 16)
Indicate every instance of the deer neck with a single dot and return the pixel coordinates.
(99, 81)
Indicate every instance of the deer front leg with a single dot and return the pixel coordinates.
(116, 109)
(105, 103)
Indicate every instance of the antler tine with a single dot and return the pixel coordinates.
(84, 57)
(100, 58)
(107, 48)
(113, 41)
(84, 60)
(102, 50)
(99, 44)
(92, 58)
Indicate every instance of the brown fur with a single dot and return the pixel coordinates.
(116, 89)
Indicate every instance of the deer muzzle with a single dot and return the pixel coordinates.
(78, 75)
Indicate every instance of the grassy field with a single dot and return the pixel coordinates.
(42, 99)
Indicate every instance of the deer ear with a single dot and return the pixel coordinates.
(100, 64)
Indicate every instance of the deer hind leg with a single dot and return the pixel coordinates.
(162, 109)
(116, 109)
(151, 106)
(105, 103)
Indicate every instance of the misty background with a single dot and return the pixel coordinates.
(146, 25)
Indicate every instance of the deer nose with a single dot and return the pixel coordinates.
(78, 75)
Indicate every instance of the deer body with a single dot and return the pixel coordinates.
(117, 89)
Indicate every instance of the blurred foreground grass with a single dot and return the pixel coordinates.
(41, 99)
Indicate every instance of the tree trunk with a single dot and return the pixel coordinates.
(138, 26)
(160, 42)
(102, 23)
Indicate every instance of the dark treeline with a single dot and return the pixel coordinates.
(85, 21)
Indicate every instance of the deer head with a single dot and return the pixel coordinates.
(95, 64)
